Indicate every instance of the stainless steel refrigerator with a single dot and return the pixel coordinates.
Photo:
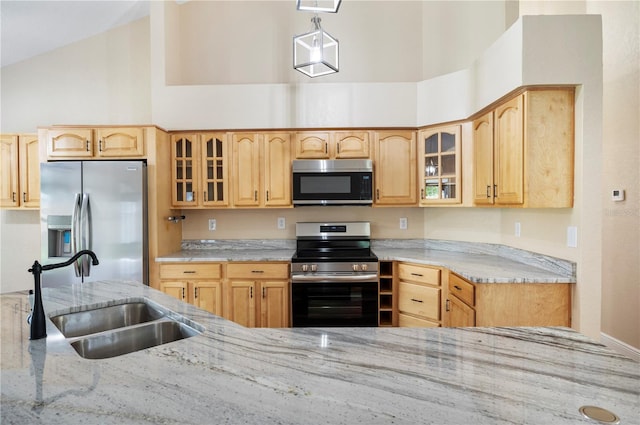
(96, 205)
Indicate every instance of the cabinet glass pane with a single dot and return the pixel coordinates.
(220, 186)
(448, 188)
(431, 144)
(179, 149)
(179, 191)
(448, 142)
(218, 148)
(448, 164)
(209, 148)
(431, 166)
(210, 193)
(179, 172)
(219, 169)
(209, 169)
(431, 188)
(187, 148)
(188, 170)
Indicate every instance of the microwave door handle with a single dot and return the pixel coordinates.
(75, 231)
(85, 233)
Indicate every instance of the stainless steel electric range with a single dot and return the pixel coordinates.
(334, 276)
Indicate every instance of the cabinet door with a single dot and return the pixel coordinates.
(483, 160)
(312, 145)
(122, 142)
(439, 164)
(277, 170)
(395, 168)
(9, 196)
(176, 289)
(71, 143)
(242, 302)
(184, 154)
(274, 304)
(207, 295)
(246, 169)
(29, 160)
(351, 144)
(509, 152)
(215, 170)
(460, 314)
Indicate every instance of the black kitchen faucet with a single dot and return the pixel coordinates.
(38, 326)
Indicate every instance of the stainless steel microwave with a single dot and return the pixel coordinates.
(332, 182)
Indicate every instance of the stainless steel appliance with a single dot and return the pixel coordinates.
(334, 276)
(332, 182)
(96, 205)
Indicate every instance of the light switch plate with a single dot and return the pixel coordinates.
(572, 237)
(281, 223)
(403, 223)
(212, 224)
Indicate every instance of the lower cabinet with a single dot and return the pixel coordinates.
(257, 294)
(198, 284)
(419, 296)
(507, 304)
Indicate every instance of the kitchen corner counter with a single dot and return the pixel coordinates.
(237, 375)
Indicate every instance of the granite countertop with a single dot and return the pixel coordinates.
(237, 375)
(479, 263)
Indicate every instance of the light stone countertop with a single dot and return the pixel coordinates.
(237, 375)
(479, 263)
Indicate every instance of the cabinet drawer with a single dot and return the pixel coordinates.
(258, 271)
(462, 289)
(190, 271)
(419, 300)
(406, 321)
(420, 274)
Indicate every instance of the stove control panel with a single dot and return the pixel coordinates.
(342, 267)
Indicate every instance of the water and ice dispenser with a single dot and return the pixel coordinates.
(59, 235)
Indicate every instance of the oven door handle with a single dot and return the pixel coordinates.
(334, 278)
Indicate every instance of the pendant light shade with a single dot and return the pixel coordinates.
(329, 6)
(315, 53)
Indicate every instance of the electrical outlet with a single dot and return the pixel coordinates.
(572, 237)
(281, 223)
(403, 223)
(517, 229)
(212, 224)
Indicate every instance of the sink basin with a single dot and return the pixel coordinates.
(106, 318)
(127, 340)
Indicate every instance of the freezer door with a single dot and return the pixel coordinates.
(61, 184)
(117, 218)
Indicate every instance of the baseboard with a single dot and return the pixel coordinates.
(620, 347)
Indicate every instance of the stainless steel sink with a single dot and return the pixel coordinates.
(127, 340)
(106, 318)
(104, 332)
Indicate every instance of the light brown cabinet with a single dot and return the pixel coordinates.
(257, 294)
(200, 170)
(523, 151)
(395, 168)
(419, 296)
(332, 145)
(507, 304)
(199, 284)
(95, 143)
(19, 171)
(439, 165)
(261, 169)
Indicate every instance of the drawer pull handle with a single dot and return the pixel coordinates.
(183, 293)
(417, 274)
(416, 301)
(457, 287)
(448, 305)
(257, 271)
(195, 292)
(189, 271)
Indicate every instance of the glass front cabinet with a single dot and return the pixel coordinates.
(439, 165)
(199, 170)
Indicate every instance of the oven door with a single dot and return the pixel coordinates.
(334, 304)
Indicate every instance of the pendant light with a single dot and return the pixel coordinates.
(315, 53)
(315, 6)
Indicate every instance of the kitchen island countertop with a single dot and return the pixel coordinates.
(237, 375)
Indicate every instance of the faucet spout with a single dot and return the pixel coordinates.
(38, 324)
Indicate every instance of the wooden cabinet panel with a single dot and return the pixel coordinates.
(19, 171)
(460, 314)
(9, 192)
(208, 296)
(246, 169)
(274, 302)
(70, 142)
(509, 152)
(414, 322)
(462, 289)
(348, 144)
(188, 270)
(258, 270)
(119, 142)
(178, 290)
(198, 284)
(101, 142)
(483, 159)
(242, 304)
(421, 274)
(395, 168)
(420, 300)
(277, 170)
(312, 145)
(439, 165)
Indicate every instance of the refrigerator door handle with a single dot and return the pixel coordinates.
(75, 231)
(85, 233)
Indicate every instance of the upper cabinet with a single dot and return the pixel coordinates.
(261, 169)
(95, 143)
(439, 165)
(332, 145)
(200, 170)
(395, 168)
(19, 171)
(524, 149)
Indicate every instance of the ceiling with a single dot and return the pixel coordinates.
(30, 28)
